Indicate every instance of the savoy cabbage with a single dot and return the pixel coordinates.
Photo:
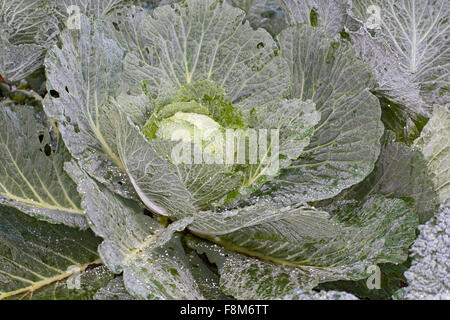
(234, 149)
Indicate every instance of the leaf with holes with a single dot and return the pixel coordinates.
(44, 191)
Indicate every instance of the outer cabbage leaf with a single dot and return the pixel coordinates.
(82, 74)
(19, 61)
(151, 4)
(37, 256)
(316, 239)
(151, 256)
(32, 178)
(91, 8)
(27, 28)
(203, 40)
(417, 32)
(321, 295)
(328, 13)
(434, 142)
(310, 247)
(400, 172)
(114, 290)
(295, 121)
(393, 82)
(246, 278)
(392, 279)
(345, 144)
(227, 221)
(90, 281)
(428, 276)
(265, 14)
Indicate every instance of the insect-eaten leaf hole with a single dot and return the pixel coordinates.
(54, 93)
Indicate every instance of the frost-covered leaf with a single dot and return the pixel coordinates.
(151, 256)
(265, 14)
(124, 27)
(316, 238)
(400, 172)
(310, 247)
(345, 144)
(295, 121)
(428, 276)
(25, 21)
(247, 278)
(393, 82)
(27, 27)
(80, 286)
(207, 277)
(322, 295)
(35, 256)
(19, 61)
(114, 290)
(32, 178)
(434, 142)
(152, 4)
(203, 40)
(82, 74)
(90, 8)
(417, 33)
(138, 108)
(227, 221)
(328, 13)
(391, 280)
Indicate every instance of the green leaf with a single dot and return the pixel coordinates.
(392, 279)
(32, 178)
(82, 74)
(400, 172)
(309, 247)
(417, 33)
(428, 276)
(247, 278)
(315, 239)
(330, 13)
(202, 40)
(151, 256)
(402, 122)
(90, 281)
(207, 276)
(35, 256)
(345, 144)
(114, 290)
(434, 142)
